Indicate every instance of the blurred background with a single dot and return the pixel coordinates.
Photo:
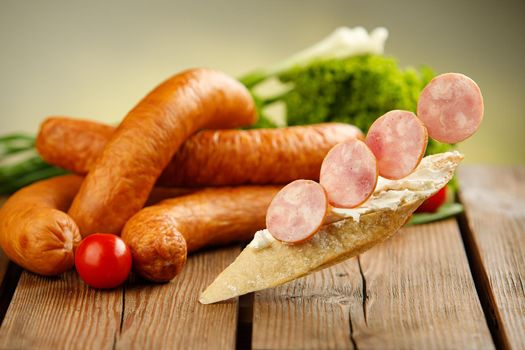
(97, 59)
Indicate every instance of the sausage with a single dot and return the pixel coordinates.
(161, 235)
(72, 144)
(118, 184)
(210, 157)
(451, 107)
(398, 140)
(349, 174)
(278, 155)
(297, 212)
(35, 232)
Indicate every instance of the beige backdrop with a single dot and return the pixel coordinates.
(97, 59)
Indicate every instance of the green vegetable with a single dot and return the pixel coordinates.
(445, 211)
(20, 165)
(15, 143)
(355, 90)
(13, 184)
(8, 172)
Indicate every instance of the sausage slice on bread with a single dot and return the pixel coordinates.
(267, 262)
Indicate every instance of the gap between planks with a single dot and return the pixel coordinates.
(481, 281)
(9, 276)
(245, 322)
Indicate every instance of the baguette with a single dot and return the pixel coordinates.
(267, 262)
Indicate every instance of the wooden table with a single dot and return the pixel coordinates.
(454, 284)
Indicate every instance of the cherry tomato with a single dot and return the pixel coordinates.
(103, 260)
(432, 204)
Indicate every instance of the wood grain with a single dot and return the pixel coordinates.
(413, 291)
(52, 313)
(494, 200)
(169, 316)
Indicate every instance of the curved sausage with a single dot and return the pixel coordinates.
(160, 236)
(210, 157)
(118, 184)
(349, 174)
(451, 107)
(35, 232)
(398, 140)
(297, 212)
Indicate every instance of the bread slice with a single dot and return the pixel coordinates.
(266, 262)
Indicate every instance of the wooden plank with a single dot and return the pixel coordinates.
(62, 312)
(418, 293)
(494, 199)
(169, 316)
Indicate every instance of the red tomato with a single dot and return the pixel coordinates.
(103, 260)
(432, 204)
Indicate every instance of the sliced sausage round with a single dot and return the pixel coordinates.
(398, 140)
(451, 107)
(297, 211)
(349, 174)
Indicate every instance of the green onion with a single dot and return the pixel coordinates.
(445, 211)
(16, 183)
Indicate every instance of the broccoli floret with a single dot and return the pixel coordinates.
(355, 90)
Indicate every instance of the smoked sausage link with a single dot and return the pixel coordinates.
(160, 236)
(118, 184)
(210, 157)
(35, 232)
(274, 156)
